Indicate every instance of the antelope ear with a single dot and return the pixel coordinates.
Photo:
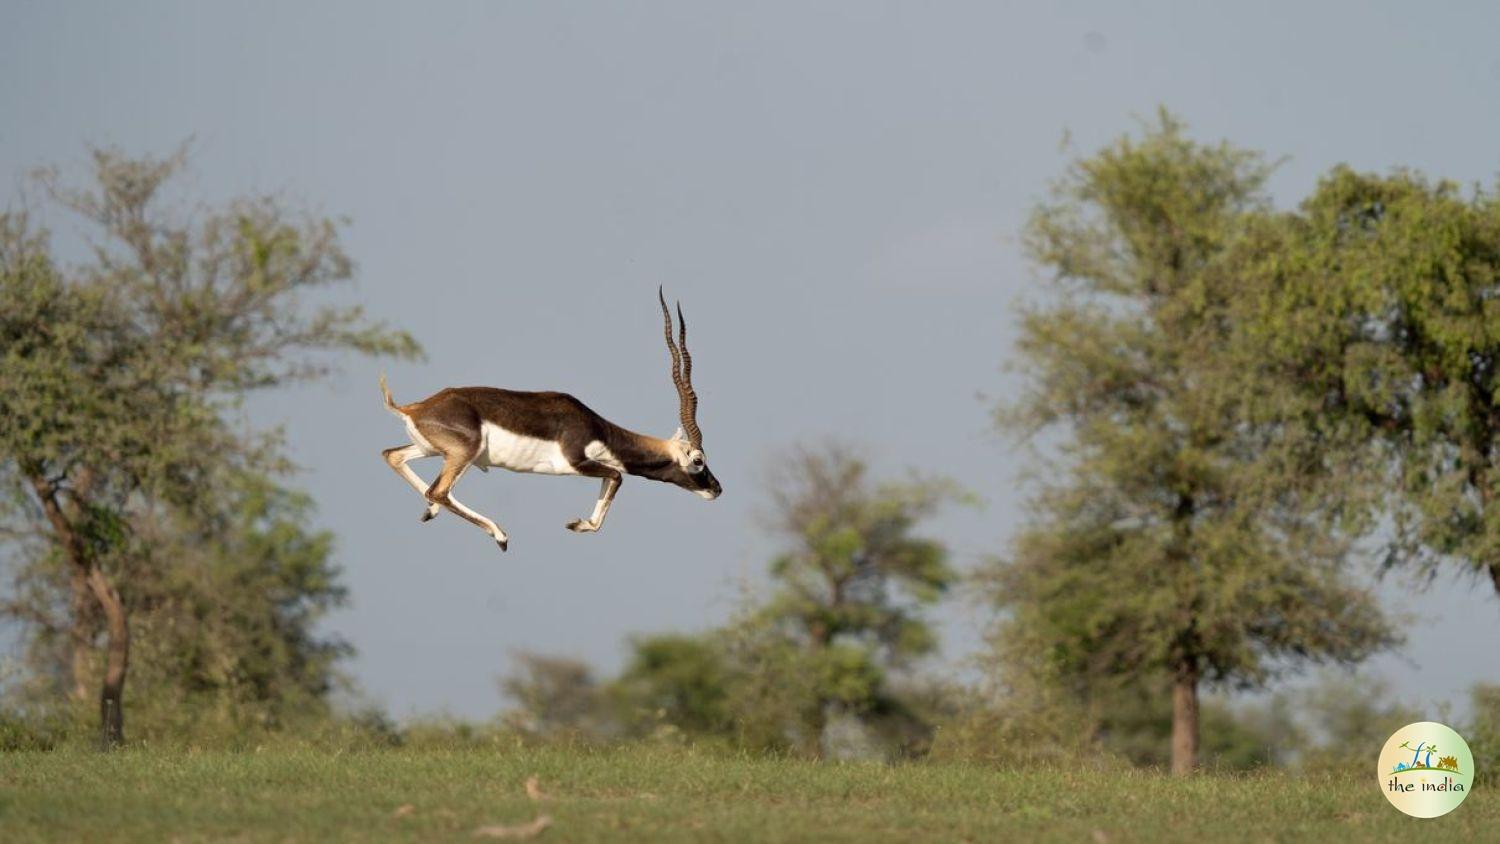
(680, 435)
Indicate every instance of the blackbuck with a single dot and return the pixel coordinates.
(549, 434)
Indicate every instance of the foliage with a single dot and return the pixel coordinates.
(840, 628)
(556, 697)
(851, 585)
(19, 732)
(1181, 535)
(675, 681)
(1379, 301)
(230, 631)
(990, 725)
(1128, 727)
(854, 568)
(773, 687)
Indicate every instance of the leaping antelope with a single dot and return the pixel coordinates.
(550, 434)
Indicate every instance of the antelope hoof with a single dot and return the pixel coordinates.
(581, 526)
(503, 542)
(429, 514)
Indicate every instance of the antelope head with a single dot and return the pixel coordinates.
(690, 468)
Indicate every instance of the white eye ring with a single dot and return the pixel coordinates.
(695, 463)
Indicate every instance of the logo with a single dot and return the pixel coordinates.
(1426, 769)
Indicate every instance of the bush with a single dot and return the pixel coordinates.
(18, 732)
(1483, 731)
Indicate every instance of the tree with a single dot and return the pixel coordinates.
(677, 680)
(1181, 536)
(124, 378)
(557, 696)
(851, 585)
(224, 637)
(843, 617)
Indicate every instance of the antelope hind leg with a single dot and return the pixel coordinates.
(397, 458)
(440, 493)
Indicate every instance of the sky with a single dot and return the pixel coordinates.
(833, 190)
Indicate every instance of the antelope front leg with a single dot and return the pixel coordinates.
(601, 507)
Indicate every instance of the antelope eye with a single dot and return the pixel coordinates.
(696, 462)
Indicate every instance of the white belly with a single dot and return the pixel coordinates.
(521, 454)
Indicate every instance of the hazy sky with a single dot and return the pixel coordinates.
(833, 190)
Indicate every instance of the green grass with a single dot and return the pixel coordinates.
(666, 794)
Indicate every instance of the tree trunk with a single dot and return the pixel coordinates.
(117, 628)
(85, 608)
(1495, 577)
(112, 696)
(1185, 717)
(80, 636)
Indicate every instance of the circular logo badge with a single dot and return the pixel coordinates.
(1426, 769)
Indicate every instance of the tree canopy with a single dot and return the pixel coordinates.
(1381, 306)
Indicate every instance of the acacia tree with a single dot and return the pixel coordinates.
(66, 392)
(850, 586)
(1179, 536)
(124, 377)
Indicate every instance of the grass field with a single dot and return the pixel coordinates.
(664, 794)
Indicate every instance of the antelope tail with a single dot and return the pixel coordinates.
(390, 403)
